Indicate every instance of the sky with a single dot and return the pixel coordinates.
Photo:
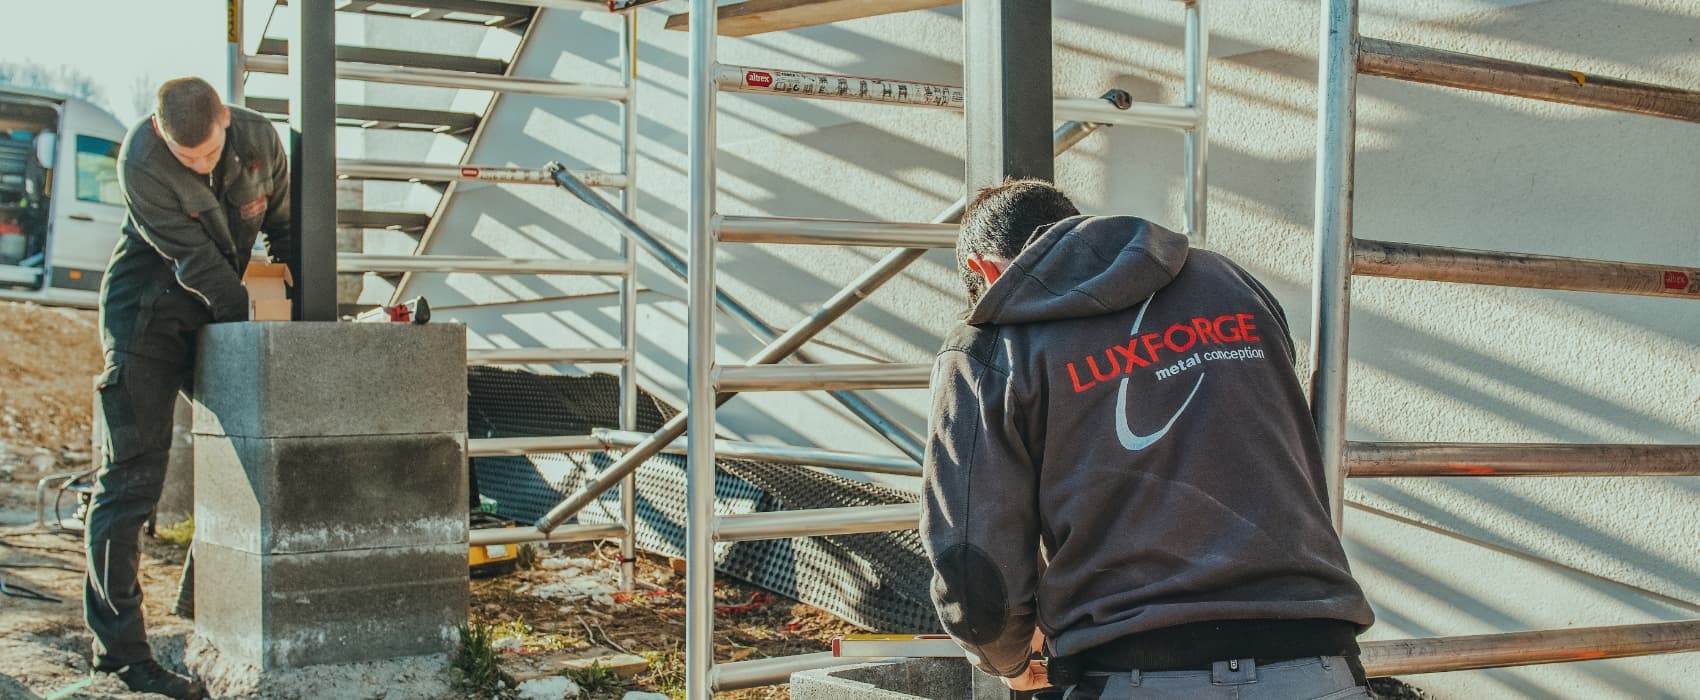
(119, 43)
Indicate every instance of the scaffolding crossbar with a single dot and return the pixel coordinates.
(908, 93)
(361, 262)
(521, 446)
(545, 356)
(1389, 459)
(1465, 266)
(816, 522)
(578, 532)
(450, 172)
(782, 454)
(822, 377)
(442, 78)
(798, 231)
(1406, 656)
(1421, 64)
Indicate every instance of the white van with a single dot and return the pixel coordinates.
(61, 208)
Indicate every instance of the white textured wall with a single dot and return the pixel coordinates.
(1429, 362)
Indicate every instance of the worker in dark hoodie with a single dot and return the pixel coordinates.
(202, 180)
(1120, 457)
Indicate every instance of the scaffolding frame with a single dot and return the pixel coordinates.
(709, 383)
(1344, 56)
(315, 44)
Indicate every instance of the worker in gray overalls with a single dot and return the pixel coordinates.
(201, 180)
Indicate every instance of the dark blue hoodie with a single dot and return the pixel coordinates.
(1119, 444)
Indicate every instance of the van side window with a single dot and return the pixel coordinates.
(97, 171)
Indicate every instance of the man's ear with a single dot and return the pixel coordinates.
(224, 116)
(990, 270)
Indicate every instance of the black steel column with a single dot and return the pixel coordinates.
(312, 155)
(1006, 58)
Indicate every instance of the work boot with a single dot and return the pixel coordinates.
(150, 677)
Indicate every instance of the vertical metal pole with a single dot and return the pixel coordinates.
(699, 512)
(1197, 58)
(1006, 62)
(234, 58)
(312, 155)
(628, 298)
(1332, 286)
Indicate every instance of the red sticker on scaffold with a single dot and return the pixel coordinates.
(756, 78)
(1676, 279)
(469, 172)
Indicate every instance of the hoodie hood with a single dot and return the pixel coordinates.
(1084, 266)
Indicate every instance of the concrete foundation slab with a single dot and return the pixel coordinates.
(297, 495)
(326, 379)
(290, 611)
(911, 679)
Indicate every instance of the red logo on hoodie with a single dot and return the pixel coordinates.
(1160, 348)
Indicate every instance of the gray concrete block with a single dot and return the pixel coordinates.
(909, 679)
(297, 610)
(321, 379)
(298, 495)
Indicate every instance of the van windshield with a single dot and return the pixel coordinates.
(97, 171)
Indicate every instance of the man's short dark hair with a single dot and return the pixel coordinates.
(187, 108)
(1001, 220)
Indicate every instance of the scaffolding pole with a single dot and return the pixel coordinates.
(1336, 147)
(700, 403)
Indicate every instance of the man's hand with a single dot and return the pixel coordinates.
(1036, 677)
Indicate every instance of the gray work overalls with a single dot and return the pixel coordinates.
(177, 267)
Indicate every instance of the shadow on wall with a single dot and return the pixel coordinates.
(1435, 166)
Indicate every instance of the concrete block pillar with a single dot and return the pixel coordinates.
(330, 496)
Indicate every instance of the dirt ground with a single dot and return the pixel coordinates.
(48, 360)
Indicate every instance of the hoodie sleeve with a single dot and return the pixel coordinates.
(980, 524)
(201, 268)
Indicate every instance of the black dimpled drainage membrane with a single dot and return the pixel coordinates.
(876, 580)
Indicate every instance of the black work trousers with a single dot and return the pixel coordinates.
(137, 398)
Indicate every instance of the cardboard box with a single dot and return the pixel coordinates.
(267, 298)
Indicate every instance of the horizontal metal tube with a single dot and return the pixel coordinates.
(461, 80)
(852, 88)
(737, 378)
(438, 172)
(817, 522)
(773, 229)
(521, 446)
(1094, 109)
(548, 356)
(1421, 64)
(1439, 264)
(360, 262)
(844, 88)
(580, 532)
(1386, 459)
(1398, 657)
(782, 454)
(1406, 656)
(738, 675)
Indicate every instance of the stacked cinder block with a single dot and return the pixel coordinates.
(330, 485)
